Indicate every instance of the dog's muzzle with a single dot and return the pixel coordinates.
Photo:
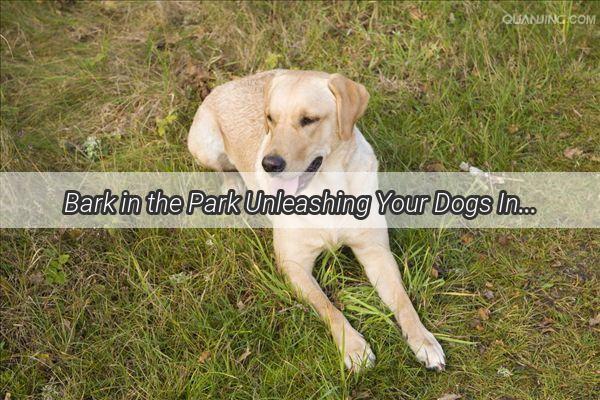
(314, 165)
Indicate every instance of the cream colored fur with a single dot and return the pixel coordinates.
(243, 120)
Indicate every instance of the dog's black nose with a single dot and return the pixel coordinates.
(273, 163)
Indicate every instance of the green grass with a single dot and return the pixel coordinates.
(164, 314)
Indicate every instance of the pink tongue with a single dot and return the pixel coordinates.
(289, 186)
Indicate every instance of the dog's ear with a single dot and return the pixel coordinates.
(351, 99)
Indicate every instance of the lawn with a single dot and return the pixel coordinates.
(201, 313)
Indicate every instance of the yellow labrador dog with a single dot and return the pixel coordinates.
(298, 122)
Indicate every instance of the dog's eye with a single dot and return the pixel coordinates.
(307, 121)
(269, 118)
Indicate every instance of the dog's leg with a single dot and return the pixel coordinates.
(382, 270)
(205, 141)
(206, 145)
(296, 259)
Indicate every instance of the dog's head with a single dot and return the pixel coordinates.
(307, 115)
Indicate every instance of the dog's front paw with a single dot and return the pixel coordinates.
(358, 354)
(428, 350)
